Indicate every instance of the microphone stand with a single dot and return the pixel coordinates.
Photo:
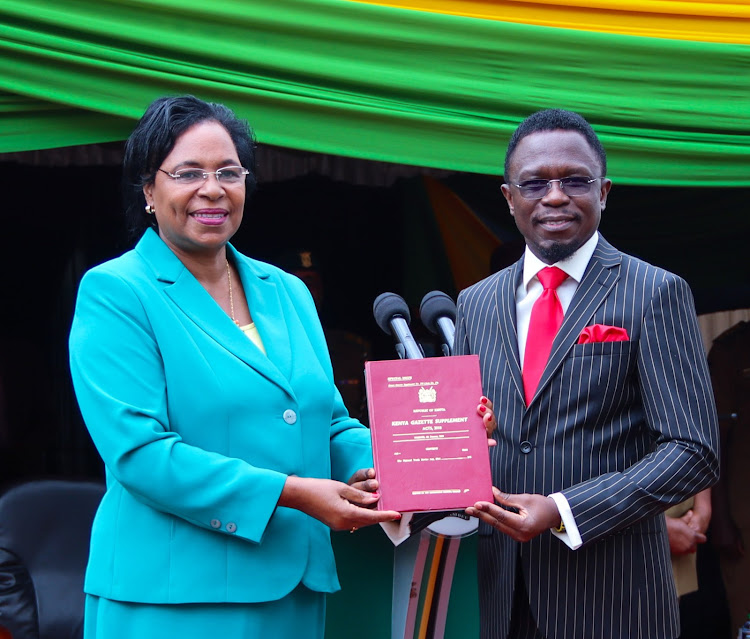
(410, 557)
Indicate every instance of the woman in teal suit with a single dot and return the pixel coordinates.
(205, 382)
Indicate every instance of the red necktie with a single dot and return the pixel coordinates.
(546, 318)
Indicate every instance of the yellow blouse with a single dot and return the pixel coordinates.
(252, 332)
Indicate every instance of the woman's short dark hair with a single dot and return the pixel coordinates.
(553, 120)
(153, 139)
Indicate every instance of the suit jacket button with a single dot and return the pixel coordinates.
(290, 417)
(231, 527)
(215, 523)
(526, 447)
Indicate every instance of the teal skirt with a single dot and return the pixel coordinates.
(300, 614)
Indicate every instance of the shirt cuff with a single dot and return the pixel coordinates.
(570, 536)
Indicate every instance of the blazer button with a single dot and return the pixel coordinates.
(526, 447)
(215, 523)
(231, 527)
(290, 417)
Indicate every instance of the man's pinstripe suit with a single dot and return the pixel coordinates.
(621, 429)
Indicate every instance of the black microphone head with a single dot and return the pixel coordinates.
(387, 306)
(434, 305)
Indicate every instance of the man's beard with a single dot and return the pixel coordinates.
(556, 252)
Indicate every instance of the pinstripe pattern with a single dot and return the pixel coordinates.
(622, 429)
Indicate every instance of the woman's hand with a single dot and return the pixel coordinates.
(484, 409)
(339, 506)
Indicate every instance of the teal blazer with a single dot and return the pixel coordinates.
(198, 430)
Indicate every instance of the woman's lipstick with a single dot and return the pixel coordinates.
(210, 217)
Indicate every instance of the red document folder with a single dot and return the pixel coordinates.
(429, 443)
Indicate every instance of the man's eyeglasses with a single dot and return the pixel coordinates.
(537, 189)
(227, 175)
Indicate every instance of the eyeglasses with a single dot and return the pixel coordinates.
(227, 175)
(537, 189)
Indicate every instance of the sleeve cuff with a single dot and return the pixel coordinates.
(570, 536)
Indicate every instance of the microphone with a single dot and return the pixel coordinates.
(438, 313)
(392, 315)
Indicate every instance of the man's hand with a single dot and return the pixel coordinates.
(683, 538)
(535, 514)
(364, 479)
(726, 537)
(700, 516)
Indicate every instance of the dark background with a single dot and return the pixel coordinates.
(60, 221)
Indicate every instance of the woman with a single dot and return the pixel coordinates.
(204, 380)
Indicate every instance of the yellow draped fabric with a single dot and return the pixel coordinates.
(727, 21)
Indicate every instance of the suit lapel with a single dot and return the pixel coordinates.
(267, 312)
(600, 276)
(193, 300)
(507, 322)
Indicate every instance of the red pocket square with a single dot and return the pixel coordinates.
(602, 333)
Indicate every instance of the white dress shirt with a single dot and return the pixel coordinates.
(529, 292)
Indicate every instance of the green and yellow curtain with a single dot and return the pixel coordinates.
(675, 19)
(432, 83)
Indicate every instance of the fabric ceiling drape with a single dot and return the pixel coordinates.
(404, 84)
(710, 21)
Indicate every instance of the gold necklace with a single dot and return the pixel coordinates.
(231, 297)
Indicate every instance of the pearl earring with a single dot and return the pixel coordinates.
(149, 209)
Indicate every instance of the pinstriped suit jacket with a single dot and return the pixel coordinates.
(622, 429)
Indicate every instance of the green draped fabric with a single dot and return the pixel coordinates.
(373, 82)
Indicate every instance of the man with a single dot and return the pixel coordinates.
(603, 402)
(729, 363)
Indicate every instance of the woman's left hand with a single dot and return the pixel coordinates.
(339, 506)
(484, 409)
